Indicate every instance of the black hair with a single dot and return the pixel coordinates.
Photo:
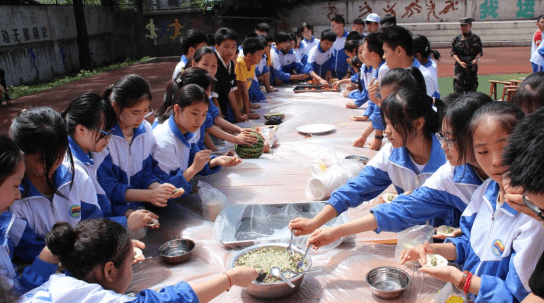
(459, 109)
(506, 114)
(282, 37)
(398, 78)
(396, 36)
(351, 45)
(89, 110)
(388, 18)
(262, 27)
(355, 62)
(530, 94)
(359, 21)
(292, 36)
(194, 75)
(406, 105)
(10, 156)
(422, 46)
(539, 18)
(523, 154)
(210, 39)
(328, 35)
(192, 39)
(374, 44)
(354, 35)
(223, 34)
(306, 25)
(268, 38)
(206, 50)
(252, 45)
(252, 35)
(128, 91)
(91, 243)
(42, 130)
(339, 19)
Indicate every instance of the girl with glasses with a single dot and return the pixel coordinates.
(499, 246)
(90, 120)
(125, 166)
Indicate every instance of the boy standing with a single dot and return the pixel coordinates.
(190, 43)
(537, 61)
(466, 49)
(284, 61)
(339, 63)
(320, 57)
(245, 72)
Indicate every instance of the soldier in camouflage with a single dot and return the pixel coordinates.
(466, 49)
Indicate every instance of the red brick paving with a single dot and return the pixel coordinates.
(504, 60)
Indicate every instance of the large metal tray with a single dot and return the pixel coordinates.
(242, 225)
(313, 88)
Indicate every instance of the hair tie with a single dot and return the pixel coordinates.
(178, 81)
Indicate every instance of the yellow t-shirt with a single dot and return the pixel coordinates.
(242, 72)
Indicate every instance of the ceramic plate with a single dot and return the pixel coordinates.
(434, 260)
(315, 128)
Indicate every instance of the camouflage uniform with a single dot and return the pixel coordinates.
(466, 47)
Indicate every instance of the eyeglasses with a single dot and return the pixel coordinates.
(104, 134)
(444, 140)
(335, 26)
(533, 207)
(137, 117)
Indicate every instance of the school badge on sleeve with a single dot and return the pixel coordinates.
(75, 211)
(497, 248)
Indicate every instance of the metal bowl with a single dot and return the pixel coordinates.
(177, 251)
(361, 159)
(277, 289)
(388, 282)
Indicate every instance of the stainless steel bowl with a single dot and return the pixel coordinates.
(277, 289)
(177, 251)
(388, 282)
(361, 159)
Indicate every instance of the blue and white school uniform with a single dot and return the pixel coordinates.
(61, 288)
(175, 152)
(180, 66)
(389, 165)
(319, 61)
(339, 63)
(12, 229)
(363, 79)
(307, 45)
(299, 52)
(499, 244)
(255, 93)
(433, 70)
(283, 64)
(537, 59)
(444, 196)
(376, 117)
(79, 203)
(85, 161)
(430, 81)
(123, 166)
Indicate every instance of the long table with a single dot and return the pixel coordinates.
(282, 177)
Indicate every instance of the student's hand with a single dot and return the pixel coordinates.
(351, 87)
(278, 82)
(345, 94)
(375, 144)
(379, 200)
(444, 273)
(140, 218)
(246, 138)
(141, 246)
(299, 77)
(373, 89)
(360, 142)
(201, 159)
(225, 161)
(241, 118)
(324, 82)
(336, 84)
(242, 275)
(302, 226)
(359, 118)
(416, 253)
(161, 194)
(475, 62)
(514, 198)
(351, 105)
(463, 64)
(322, 237)
(271, 89)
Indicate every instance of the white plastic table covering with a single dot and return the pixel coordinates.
(282, 177)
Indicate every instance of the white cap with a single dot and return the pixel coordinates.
(373, 18)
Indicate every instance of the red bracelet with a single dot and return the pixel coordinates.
(230, 282)
(466, 288)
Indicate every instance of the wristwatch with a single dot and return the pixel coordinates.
(379, 137)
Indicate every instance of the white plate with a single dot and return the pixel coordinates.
(441, 230)
(440, 261)
(315, 128)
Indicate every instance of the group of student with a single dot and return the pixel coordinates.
(78, 184)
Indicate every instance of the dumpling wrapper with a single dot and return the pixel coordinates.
(388, 197)
(440, 261)
(443, 230)
(137, 253)
(153, 222)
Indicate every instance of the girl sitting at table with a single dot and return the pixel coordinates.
(499, 246)
(99, 255)
(12, 229)
(90, 120)
(412, 155)
(178, 155)
(125, 166)
(53, 189)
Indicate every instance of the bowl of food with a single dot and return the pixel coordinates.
(177, 251)
(262, 257)
(388, 282)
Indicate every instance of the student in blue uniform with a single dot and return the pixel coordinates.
(422, 51)
(12, 229)
(530, 94)
(262, 70)
(190, 43)
(350, 48)
(285, 64)
(90, 120)
(412, 155)
(125, 166)
(320, 57)
(339, 65)
(499, 246)
(178, 155)
(99, 255)
(308, 40)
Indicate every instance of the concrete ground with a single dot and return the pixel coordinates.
(504, 60)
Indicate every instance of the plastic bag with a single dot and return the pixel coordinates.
(213, 201)
(322, 185)
(325, 159)
(269, 136)
(449, 294)
(413, 236)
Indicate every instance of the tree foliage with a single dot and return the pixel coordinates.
(247, 8)
(19, 2)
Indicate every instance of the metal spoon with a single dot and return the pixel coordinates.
(289, 248)
(296, 273)
(276, 272)
(300, 264)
